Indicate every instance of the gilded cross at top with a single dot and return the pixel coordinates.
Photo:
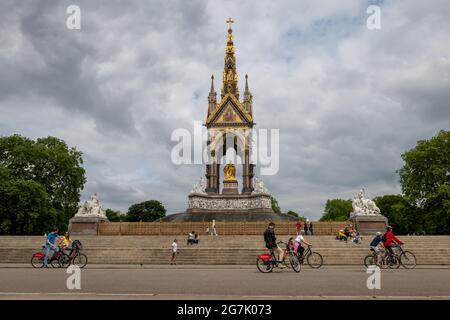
(230, 21)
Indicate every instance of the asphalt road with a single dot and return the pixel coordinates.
(222, 282)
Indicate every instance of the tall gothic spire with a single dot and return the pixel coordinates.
(248, 97)
(212, 97)
(230, 78)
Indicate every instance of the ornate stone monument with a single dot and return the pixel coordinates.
(366, 216)
(229, 122)
(87, 218)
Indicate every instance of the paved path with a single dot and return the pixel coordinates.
(221, 282)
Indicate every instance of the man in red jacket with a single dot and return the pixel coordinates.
(390, 240)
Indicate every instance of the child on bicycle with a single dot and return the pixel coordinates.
(298, 243)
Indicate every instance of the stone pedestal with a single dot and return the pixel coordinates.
(230, 187)
(369, 224)
(85, 225)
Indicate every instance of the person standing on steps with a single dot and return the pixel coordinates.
(298, 226)
(311, 229)
(174, 252)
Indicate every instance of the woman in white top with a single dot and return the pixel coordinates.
(298, 242)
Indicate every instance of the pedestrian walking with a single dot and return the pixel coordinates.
(311, 229)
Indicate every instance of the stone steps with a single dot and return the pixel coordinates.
(214, 250)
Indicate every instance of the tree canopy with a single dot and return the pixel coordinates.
(337, 210)
(40, 186)
(275, 206)
(146, 211)
(425, 181)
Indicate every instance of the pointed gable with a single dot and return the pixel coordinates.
(229, 112)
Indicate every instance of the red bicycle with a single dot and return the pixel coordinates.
(266, 262)
(58, 260)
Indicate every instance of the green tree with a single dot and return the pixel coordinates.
(150, 210)
(275, 206)
(337, 210)
(401, 214)
(53, 167)
(293, 214)
(24, 206)
(425, 181)
(114, 216)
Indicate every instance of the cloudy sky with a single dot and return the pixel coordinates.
(348, 100)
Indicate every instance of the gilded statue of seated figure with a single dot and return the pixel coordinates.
(230, 172)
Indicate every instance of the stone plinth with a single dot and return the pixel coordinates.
(84, 225)
(369, 224)
(245, 203)
(230, 187)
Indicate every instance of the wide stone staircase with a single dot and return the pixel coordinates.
(429, 250)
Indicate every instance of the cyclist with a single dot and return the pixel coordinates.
(50, 245)
(390, 240)
(298, 243)
(374, 245)
(271, 242)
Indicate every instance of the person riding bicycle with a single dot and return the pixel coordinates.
(298, 243)
(50, 245)
(390, 240)
(374, 244)
(271, 242)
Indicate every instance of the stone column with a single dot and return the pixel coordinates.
(217, 185)
(246, 188)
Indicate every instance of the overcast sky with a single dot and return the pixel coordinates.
(348, 101)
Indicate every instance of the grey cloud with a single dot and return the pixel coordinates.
(348, 101)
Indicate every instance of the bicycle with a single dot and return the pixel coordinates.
(75, 257)
(314, 259)
(405, 258)
(57, 260)
(266, 262)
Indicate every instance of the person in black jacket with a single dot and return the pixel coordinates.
(271, 241)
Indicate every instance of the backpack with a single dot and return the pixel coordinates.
(76, 245)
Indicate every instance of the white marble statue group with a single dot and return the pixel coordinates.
(91, 208)
(364, 206)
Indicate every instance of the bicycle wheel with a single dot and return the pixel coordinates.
(263, 266)
(55, 263)
(314, 260)
(369, 261)
(408, 260)
(293, 261)
(37, 260)
(80, 260)
(64, 260)
(286, 261)
(392, 262)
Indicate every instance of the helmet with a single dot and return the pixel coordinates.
(389, 227)
(378, 233)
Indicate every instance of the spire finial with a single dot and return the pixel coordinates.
(246, 82)
(230, 21)
(212, 83)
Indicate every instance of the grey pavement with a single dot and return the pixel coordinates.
(222, 282)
